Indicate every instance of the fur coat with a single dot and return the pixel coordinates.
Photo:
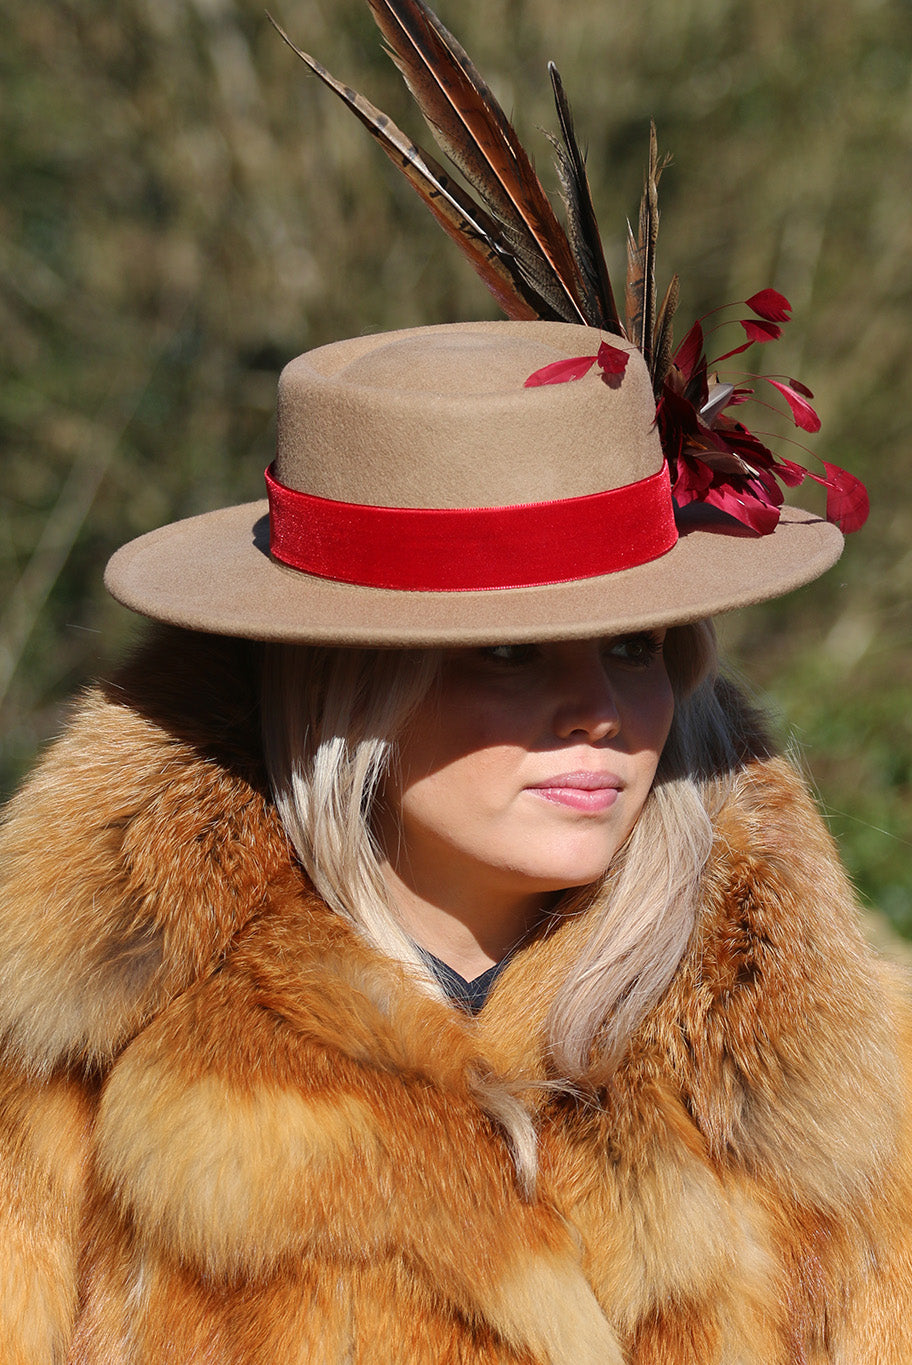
(230, 1132)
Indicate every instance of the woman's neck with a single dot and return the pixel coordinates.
(467, 931)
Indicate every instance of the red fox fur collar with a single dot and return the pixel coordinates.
(230, 1131)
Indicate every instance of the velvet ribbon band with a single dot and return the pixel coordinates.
(468, 549)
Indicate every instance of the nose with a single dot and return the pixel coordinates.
(586, 705)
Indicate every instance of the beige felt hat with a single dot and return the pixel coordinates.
(422, 495)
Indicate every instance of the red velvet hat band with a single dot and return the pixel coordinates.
(472, 549)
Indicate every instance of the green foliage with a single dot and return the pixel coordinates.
(182, 210)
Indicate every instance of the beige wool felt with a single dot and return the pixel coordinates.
(440, 417)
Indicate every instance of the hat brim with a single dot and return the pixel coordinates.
(214, 573)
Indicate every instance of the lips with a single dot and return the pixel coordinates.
(582, 790)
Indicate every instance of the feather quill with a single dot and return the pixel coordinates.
(476, 135)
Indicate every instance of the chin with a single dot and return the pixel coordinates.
(562, 872)
(563, 876)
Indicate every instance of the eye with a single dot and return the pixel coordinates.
(636, 650)
(513, 656)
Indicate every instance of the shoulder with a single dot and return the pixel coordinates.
(786, 1029)
(140, 844)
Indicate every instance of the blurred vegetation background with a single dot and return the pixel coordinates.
(182, 210)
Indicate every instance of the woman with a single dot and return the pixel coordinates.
(491, 996)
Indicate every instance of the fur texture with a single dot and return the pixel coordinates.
(230, 1132)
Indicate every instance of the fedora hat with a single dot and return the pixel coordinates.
(423, 494)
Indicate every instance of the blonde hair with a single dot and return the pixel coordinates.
(330, 718)
(330, 721)
(644, 910)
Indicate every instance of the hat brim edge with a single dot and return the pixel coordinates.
(213, 573)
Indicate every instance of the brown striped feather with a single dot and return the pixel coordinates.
(476, 135)
(467, 223)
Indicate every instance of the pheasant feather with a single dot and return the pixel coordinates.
(641, 250)
(662, 336)
(471, 228)
(479, 139)
(582, 225)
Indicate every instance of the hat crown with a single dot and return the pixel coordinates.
(568, 501)
(456, 364)
(442, 418)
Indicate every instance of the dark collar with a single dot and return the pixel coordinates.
(468, 995)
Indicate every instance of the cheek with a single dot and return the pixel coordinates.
(647, 712)
(459, 788)
(460, 740)
(658, 717)
(648, 722)
(453, 764)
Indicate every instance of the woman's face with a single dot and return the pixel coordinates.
(525, 771)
